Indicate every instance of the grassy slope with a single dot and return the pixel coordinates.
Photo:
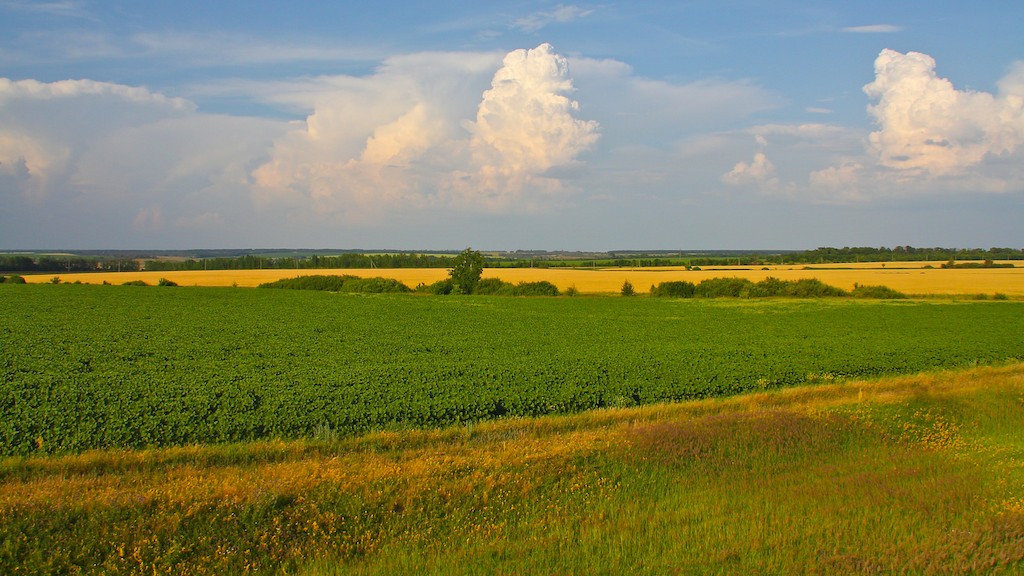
(924, 473)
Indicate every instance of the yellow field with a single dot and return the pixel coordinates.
(907, 277)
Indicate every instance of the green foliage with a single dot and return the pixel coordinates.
(134, 368)
(64, 263)
(12, 279)
(166, 282)
(492, 286)
(326, 283)
(718, 287)
(439, 288)
(374, 285)
(675, 289)
(880, 292)
(901, 254)
(541, 288)
(466, 270)
(215, 260)
(135, 283)
(344, 283)
(742, 288)
(802, 288)
(627, 289)
(498, 287)
(984, 264)
(572, 291)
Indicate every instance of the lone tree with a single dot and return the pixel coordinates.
(466, 270)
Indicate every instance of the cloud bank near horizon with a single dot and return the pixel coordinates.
(525, 133)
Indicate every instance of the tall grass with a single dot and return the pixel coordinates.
(917, 474)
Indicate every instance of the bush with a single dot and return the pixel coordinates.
(492, 286)
(882, 292)
(627, 289)
(135, 283)
(717, 287)
(769, 287)
(675, 289)
(439, 288)
(316, 282)
(572, 291)
(166, 282)
(375, 285)
(343, 283)
(812, 288)
(12, 279)
(542, 288)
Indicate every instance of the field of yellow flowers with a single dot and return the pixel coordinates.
(917, 278)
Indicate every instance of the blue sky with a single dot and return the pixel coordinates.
(511, 125)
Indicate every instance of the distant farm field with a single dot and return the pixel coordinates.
(90, 366)
(907, 277)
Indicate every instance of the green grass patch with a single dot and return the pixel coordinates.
(915, 474)
(84, 367)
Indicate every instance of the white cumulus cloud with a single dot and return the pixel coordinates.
(402, 138)
(760, 171)
(525, 125)
(930, 138)
(926, 126)
(46, 127)
(122, 159)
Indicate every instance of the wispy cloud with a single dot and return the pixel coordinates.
(184, 49)
(66, 8)
(874, 29)
(221, 49)
(561, 14)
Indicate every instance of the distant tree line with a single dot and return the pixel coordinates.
(76, 263)
(22, 263)
(809, 257)
(341, 261)
(902, 254)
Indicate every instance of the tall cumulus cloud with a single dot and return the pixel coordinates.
(928, 126)
(525, 126)
(929, 138)
(403, 138)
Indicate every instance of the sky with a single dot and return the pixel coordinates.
(510, 125)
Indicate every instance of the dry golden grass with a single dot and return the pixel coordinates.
(907, 277)
(207, 474)
(917, 474)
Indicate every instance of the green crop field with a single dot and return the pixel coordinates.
(86, 367)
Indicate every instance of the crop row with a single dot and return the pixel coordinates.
(109, 366)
